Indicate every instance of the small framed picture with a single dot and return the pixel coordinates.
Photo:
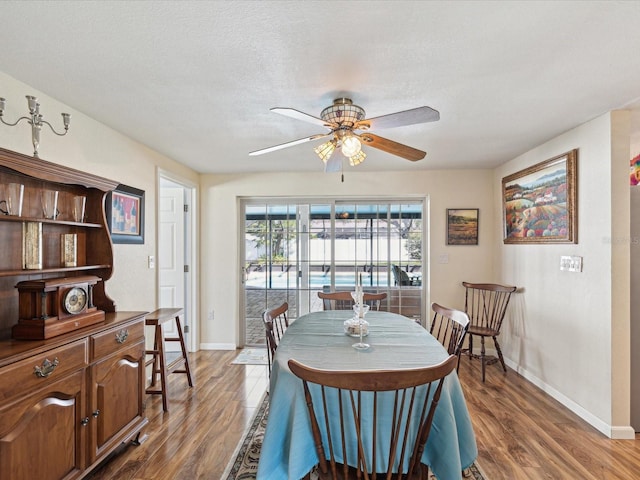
(125, 214)
(462, 226)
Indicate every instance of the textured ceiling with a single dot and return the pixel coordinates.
(195, 80)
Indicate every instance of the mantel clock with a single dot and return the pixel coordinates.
(54, 306)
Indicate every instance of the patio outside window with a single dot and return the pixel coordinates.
(294, 249)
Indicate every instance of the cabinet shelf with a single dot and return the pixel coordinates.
(11, 218)
(95, 397)
(14, 273)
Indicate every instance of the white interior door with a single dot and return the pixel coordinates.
(171, 255)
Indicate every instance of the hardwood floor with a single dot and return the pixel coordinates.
(521, 432)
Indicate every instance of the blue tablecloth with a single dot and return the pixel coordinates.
(317, 339)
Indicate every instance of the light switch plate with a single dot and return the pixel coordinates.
(571, 263)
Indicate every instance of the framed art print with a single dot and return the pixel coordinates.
(125, 214)
(540, 203)
(462, 226)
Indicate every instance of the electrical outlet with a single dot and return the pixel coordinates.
(571, 263)
(210, 317)
(151, 261)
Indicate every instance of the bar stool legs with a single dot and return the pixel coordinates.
(159, 355)
(180, 339)
(159, 367)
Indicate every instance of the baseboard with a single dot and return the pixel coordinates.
(613, 432)
(217, 346)
(623, 433)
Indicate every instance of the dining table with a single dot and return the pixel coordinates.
(319, 340)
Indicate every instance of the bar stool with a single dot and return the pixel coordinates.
(159, 356)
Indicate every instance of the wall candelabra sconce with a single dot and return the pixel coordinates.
(36, 121)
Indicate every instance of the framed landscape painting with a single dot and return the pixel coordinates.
(540, 202)
(462, 226)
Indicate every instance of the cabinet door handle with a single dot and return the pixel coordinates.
(85, 421)
(122, 335)
(46, 369)
(96, 413)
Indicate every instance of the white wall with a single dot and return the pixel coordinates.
(221, 237)
(569, 332)
(93, 147)
(635, 278)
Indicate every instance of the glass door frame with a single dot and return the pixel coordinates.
(303, 290)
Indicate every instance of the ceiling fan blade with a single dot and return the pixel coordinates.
(305, 117)
(334, 164)
(392, 147)
(289, 144)
(400, 119)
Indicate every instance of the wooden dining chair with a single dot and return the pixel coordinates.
(275, 324)
(412, 395)
(486, 305)
(344, 300)
(449, 326)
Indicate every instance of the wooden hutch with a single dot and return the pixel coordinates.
(72, 375)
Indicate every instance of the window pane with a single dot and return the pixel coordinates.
(295, 249)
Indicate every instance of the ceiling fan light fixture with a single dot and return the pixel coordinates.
(325, 150)
(343, 119)
(343, 112)
(357, 159)
(351, 146)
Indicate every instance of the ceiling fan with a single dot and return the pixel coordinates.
(349, 130)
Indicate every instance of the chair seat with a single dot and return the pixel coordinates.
(482, 331)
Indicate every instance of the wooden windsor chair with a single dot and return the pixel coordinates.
(449, 326)
(360, 414)
(344, 301)
(275, 324)
(486, 305)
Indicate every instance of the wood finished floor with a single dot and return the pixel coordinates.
(521, 432)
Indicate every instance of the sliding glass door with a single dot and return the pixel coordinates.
(294, 249)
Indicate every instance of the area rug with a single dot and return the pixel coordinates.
(244, 463)
(251, 356)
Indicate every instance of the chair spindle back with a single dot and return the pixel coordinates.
(410, 396)
(275, 324)
(344, 301)
(486, 304)
(449, 326)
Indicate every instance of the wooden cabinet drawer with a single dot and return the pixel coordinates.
(111, 340)
(40, 370)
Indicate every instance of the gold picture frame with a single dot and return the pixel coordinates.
(540, 202)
